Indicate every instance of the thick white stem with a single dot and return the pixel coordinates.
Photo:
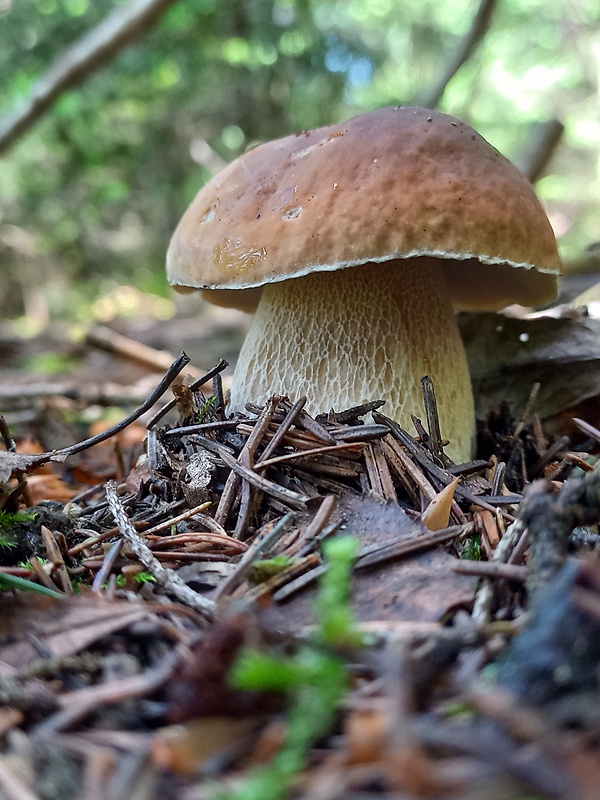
(364, 333)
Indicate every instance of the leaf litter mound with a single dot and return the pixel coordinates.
(468, 647)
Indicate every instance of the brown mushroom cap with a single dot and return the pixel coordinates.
(396, 183)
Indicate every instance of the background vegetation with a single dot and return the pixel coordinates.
(91, 194)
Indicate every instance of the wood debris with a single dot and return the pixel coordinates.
(211, 540)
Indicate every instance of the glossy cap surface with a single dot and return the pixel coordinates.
(390, 184)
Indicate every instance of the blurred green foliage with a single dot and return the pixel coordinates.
(314, 678)
(90, 196)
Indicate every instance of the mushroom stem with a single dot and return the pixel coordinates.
(363, 333)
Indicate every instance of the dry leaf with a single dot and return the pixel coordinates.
(61, 627)
(12, 462)
(419, 588)
(184, 748)
(507, 356)
(437, 514)
(366, 732)
(49, 487)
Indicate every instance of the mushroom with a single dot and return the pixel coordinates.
(355, 243)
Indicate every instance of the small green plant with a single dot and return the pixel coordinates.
(336, 618)
(8, 527)
(8, 540)
(139, 577)
(144, 577)
(22, 584)
(471, 548)
(202, 412)
(314, 679)
(459, 710)
(267, 567)
(8, 521)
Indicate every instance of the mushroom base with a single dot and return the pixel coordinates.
(364, 333)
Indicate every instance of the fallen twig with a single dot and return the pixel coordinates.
(10, 462)
(167, 579)
(123, 26)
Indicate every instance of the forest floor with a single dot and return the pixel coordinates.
(280, 605)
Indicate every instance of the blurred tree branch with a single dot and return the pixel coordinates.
(586, 263)
(545, 139)
(476, 33)
(93, 51)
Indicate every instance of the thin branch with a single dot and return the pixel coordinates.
(162, 387)
(261, 544)
(11, 462)
(193, 386)
(540, 149)
(282, 494)
(168, 579)
(475, 35)
(124, 347)
(92, 52)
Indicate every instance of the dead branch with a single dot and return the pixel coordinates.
(125, 347)
(540, 149)
(15, 398)
(11, 462)
(585, 263)
(475, 35)
(197, 384)
(93, 51)
(166, 577)
(551, 517)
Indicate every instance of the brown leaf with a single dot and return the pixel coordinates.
(61, 627)
(508, 355)
(419, 588)
(437, 514)
(366, 732)
(13, 462)
(49, 487)
(184, 748)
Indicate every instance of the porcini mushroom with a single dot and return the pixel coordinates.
(354, 243)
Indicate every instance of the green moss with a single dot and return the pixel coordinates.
(314, 679)
(8, 522)
(267, 567)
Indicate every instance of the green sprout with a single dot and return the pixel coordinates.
(8, 521)
(470, 549)
(139, 577)
(13, 582)
(314, 679)
(202, 412)
(336, 618)
(264, 569)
